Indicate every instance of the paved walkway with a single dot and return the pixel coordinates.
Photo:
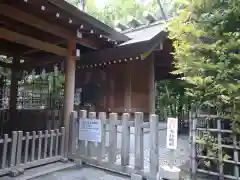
(82, 174)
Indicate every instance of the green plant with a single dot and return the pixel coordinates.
(208, 146)
(206, 38)
(172, 99)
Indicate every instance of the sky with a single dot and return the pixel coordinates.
(101, 3)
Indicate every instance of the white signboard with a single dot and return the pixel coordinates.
(172, 133)
(90, 130)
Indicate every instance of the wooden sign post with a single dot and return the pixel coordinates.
(170, 171)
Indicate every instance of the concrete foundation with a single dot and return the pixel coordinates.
(170, 173)
(136, 177)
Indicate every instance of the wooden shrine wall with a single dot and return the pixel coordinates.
(141, 86)
(124, 87)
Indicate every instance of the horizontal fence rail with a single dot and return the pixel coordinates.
(27, 150)
(215, 148)
(115, 155)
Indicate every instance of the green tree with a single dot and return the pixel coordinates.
(119, 10)
(52, 83)
(207, 41)
(172, 99)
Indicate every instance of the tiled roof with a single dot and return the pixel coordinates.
(143, 39)
(144, 33)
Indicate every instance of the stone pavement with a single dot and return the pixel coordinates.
(82, 174)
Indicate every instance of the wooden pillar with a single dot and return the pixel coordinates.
(69, 88)
(103, 90)
(13, 93)
(111, 88)
(128, 89)
(112, 95)
(152, 85)
(108, 90)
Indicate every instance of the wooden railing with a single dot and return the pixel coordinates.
(113, 152)
(26, 150)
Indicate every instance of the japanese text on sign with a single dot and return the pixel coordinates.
(172, 133)
(90, 130)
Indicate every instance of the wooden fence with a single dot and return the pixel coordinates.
(107, 154)
(26, 150)
(215, 148)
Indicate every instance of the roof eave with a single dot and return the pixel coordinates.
(113, 34)
(140, 47)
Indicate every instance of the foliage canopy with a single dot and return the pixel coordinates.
(207, 41)
(122, 10)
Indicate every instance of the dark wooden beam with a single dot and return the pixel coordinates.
(36, 22)
(89, 43)
(45, 26)
(31, 42)
(98, 25)
(37, 50)
(10, 49)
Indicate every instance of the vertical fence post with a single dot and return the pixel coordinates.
(62, 141)
(193, 148)
(190, 129)
(73, 133)
(57, 142)
(139, 156)
(125, 140)
(19, 148)
(154, 144)
(26, 147)
(33, 145)
(39, 145)
(220, 155)
(4, 155)
(13, 148)
(112, 138)
(51, 143)
(45, 144)
(81, 144)
(236, 158)
(101, 146)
